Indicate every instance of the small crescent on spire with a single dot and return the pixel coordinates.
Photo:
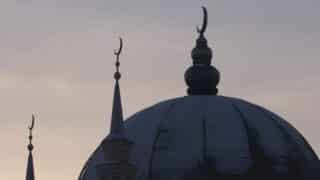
(205, 21)
(118, 52)
(32, 123)
(117, 74)
(30, 146)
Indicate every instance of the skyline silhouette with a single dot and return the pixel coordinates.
(57, 61)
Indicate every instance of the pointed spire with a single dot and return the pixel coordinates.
(116, 147)
(117, 117)
(30, 168)
(202, 78)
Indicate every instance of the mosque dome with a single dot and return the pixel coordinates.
(174, 138)
(209, 136)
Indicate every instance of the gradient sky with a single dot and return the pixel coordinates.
(56, 60)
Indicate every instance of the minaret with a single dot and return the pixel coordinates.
(202, 78)
(116, 147)
(30, 168)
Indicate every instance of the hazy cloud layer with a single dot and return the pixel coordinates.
(56, 60)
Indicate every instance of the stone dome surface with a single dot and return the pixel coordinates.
(190, 136)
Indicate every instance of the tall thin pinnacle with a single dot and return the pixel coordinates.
(30, 167)
(117, 115)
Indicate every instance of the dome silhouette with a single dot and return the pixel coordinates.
(201, 136)
(235, 137)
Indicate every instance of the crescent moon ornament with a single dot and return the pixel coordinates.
(118, 52)
(30, 146)
(32, 122)
(117, 74)
(205, 22)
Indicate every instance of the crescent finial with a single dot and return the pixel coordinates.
(205, 21)
(118, 52)
(30, 146)
(117, 74)
(32, 122)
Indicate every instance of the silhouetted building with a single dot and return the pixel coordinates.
(201, 136)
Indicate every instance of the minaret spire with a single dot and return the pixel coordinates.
(116, 129)
(30, 167)
(202, 78)
(116, 147)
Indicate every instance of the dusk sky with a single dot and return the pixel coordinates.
(56, 60)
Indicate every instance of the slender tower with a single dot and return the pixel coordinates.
(30, 168)
(116, 147)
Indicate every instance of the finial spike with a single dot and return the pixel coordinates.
(30, 146)
(202, 78)
(205, 22)
(30, 167)
(117, 74)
